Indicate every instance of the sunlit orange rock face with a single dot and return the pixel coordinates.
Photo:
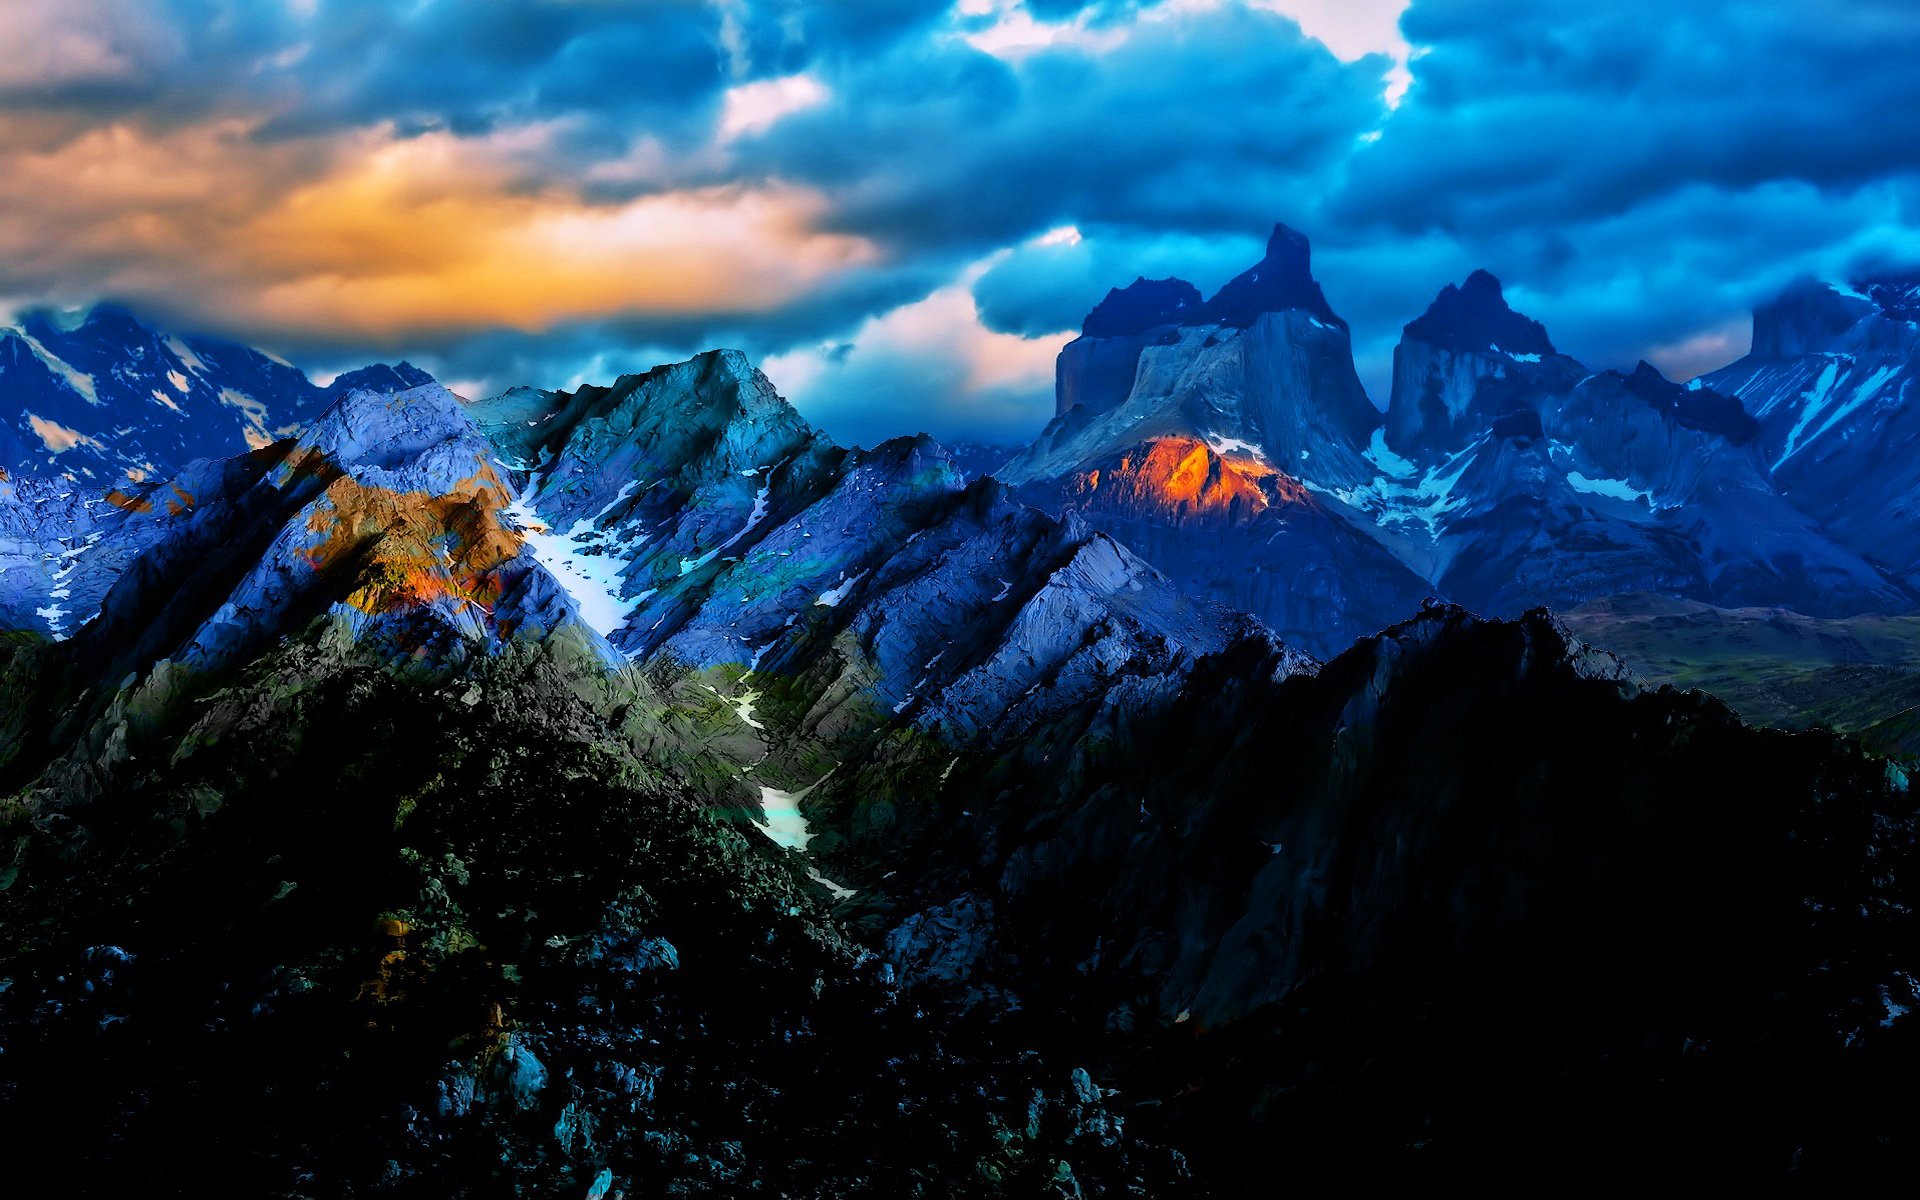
(403, 550)
(129, 502)
(1179, 479)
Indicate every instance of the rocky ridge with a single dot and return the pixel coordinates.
(629, 788)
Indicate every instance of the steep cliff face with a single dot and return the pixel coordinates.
(1251, 391)
(1831, 381)
(1265, 362)
(1536, 481)
(1225, 525)
(1461, 364)
(1505, 475)
(1626, 483)
(1097, 368)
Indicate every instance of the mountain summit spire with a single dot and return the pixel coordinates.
(1282, 280)
(1476, 316)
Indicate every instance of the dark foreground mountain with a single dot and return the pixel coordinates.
(630, 790)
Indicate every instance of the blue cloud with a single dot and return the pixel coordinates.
(1210, 122)
(1540, 111)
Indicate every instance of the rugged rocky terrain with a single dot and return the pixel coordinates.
(99, 394)
(1203, 434)
(1830, 380)
(95, 408)
(630, 790)
(1536, 480)
(1229, 442)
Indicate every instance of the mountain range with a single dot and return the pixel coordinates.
(630, 789)
(99, 405)
(1502, 474)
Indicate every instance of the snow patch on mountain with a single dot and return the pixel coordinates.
(832, 597)
(57, 438)
(1619, 489)
(1225, 446)
(75, 378)
(1403, 496)
(589, 566)
(1835, 381)
(784, 823)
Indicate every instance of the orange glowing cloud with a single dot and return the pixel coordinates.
(385, 238)
(406, 239)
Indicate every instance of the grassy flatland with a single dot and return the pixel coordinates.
(1856, 675)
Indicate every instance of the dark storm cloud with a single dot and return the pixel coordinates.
(1640, 173)
(1535, 112)
(1210, 121)
(464, 65)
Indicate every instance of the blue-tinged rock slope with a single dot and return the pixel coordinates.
(102, 397)
(696, 519)
(1229, 442)
(1831, 381)
(1185, 428)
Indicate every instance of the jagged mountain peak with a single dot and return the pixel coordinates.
(1831, 380)
(378, 428)
(1282, 280)
(1896, 292)
(48, 319)
(675, 413)
(1807, 316)
(716, 384)
(383, 377)
(1873, 316)
(910, 451)
(1286, 241)
(1466, 361)
(1475, 316)
(1142, 305)
(107, 396)
(106, 317)
(1699, 408)
(1275, 305)
(1550, 645)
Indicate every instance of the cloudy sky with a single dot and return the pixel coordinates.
(904, 207)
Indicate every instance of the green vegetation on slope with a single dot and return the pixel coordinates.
(1857, 675)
